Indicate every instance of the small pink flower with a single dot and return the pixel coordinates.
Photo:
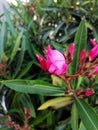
(95, 70)
(71, 48)
(88, 92)
(54, 63)
(83, 54)
(93, 42)
(93, 53)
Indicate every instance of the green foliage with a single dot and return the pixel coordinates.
(26, 30)
(87, 114)
(74, 117)
(34, 87)
(80, 43)
(3, 34)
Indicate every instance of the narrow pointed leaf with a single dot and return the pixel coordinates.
(2, 39)
(74, 117)
(88, 116)
(80, 43)
(18, 41)
(56, 103)
(25, 70)
(9, 21)
(41, 117)
(33, 87)
(21, 58)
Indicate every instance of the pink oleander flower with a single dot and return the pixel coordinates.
(54, 63)
(93, 42)
(95, 70)
(71, 48)
(88, 92)
(83, 54)
(93, 53)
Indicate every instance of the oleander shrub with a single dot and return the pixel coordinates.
(49, 65)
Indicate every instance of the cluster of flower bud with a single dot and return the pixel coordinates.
(80, 93)
(88, 65)
(57, 63)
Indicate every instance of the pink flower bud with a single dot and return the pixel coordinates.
(42, 62)
(9, 123)
(83, 54)
(95, 70)
(28, 112)
(93, 42)
(88, 92)
(55, 61)
(93, 53)
(71, 49)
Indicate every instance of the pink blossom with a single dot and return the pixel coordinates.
(93, 53)
(71, 48)
(54, 63)
(93, 42)
(83, 54)
(95, 70)
(88, 92)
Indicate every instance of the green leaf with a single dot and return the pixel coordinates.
(18, 41)
(20, 59)
(58, 27)
(51, 9)
(41, 117)
(26, 101)
(25, 70)
(50, 120)
(38, 7)
(45, 36)
(56, 103)
(33, 87)
(9, 21)
(80, 43)
(74, 117)
(88, 115)
(82, 127)
(2, 39)
(95, 30)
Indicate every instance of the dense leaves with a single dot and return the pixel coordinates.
(87, 114)
(25, 30)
